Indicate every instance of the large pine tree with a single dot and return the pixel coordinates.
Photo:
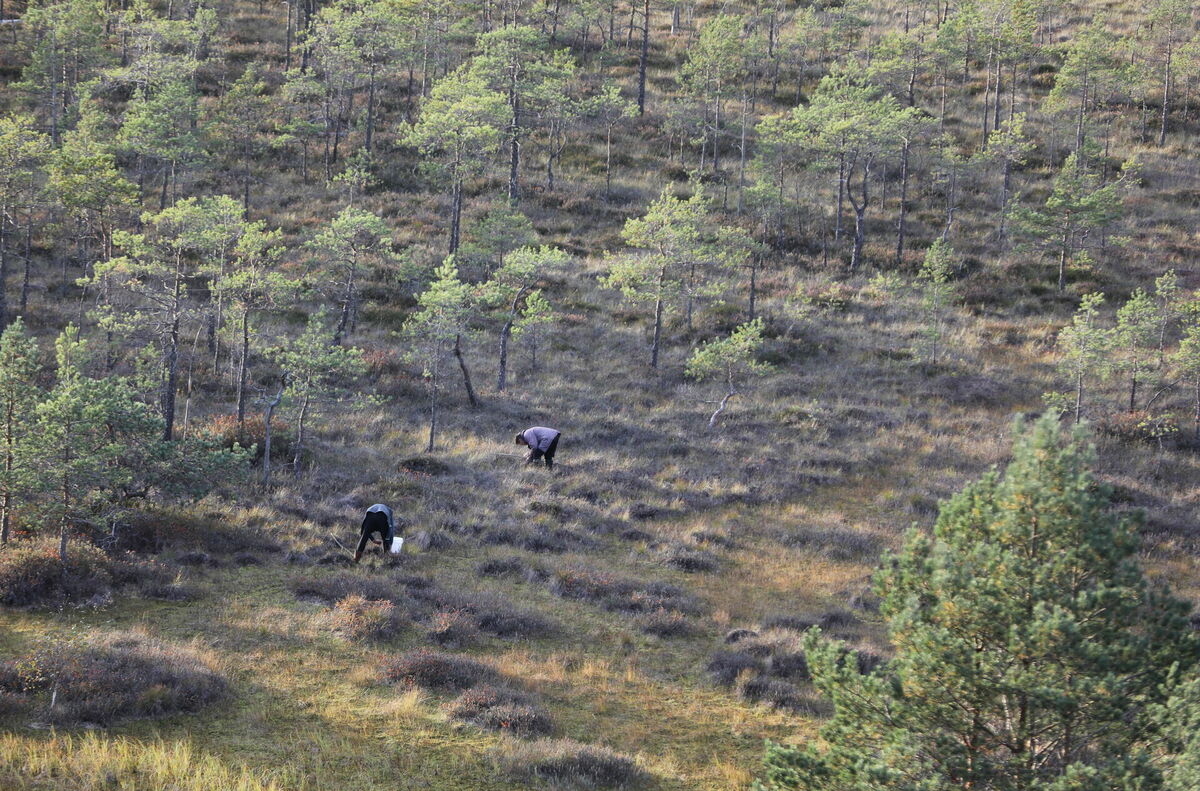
(1029, 646)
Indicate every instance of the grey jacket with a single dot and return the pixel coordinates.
(540, 437)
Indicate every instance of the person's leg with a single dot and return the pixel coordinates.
(550, 451)
(534, 455)
(362, 543)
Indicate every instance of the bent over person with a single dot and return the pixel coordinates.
(542, 443)
(379, 519)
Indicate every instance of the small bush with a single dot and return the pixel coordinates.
(772, 691)
(367, 619)
(252, 431)
(620, 595)
(502, 709)
(837, 619)
(453, 628)
(504, 567)
(792, 623)
(570, 763)
(171, 591)
(430, 669)
(738, 635)
(335, 587)
(690, 560)
(726, 666)
(31, 574)
(665, 623)
(789, 664)
(716, 539)
(119, 677)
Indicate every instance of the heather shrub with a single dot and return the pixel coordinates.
(438, 670)
(32, 575)
(690, 560)
(665, 623)
(726, 666)
(116, 677)
(453, 628)
(502, 709)
(252, 431)
(570, 763)
(620, 595)
(367, 619)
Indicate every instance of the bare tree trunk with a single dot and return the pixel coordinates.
(901, 225)
(642, 59)
(268, 415)
(242, 365)
(658, 317)
(299, 449)
(462, 363)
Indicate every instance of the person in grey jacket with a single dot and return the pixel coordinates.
(379, 519)
(542, 443)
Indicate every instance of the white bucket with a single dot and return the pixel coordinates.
(397, 545)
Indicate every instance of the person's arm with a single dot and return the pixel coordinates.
(362, 542)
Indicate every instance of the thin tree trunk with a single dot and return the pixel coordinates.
(641, 101)
(658, 317)
(462, 363)
(901, 225)
(270, 413)
(300, 434)
(242, 366)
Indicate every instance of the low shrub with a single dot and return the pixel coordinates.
(333, 588)
(794, 623)
(367, 619)
(453, 628)
(789, 664)
(32, 575)
(513, 567)
(738, 635)
(617, 594)
(726, 666)
(772, 691)
(171, 591)
(252, 431)
(492, 613)
(690, 560)
(430, 669)
(117, 677)
(665, 623)
(570, 763)
(502, 709)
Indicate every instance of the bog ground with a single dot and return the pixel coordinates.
(632, 618)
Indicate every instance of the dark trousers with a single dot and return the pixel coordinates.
(548, 455)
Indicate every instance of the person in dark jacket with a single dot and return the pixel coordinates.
(379, 519)
(542, 443)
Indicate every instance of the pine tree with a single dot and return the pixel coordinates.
(77, 441)
(434, 331)
(1028, 646)
(512, 284)
(1085, 347)
(680, 251)
(515, 62)
(1078, 207)
(458, 131)
(1187, 360)
(1136, 338)
(254, 286)
(22, 152)
(354, 240)
(934, 277)
(312, 368)
(730, 360)
(533, 325)
(19, 394)
(610, 108)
